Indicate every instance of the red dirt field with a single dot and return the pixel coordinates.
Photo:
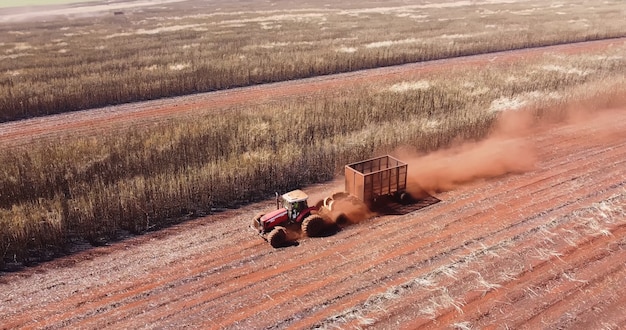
(545, 248)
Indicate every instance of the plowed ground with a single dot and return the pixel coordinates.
(543, 249)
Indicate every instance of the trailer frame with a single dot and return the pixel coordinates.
(372, 178)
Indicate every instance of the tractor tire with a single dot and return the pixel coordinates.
(313, 226)
(277, 237)
(342, 220)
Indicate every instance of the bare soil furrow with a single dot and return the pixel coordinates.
(560, 305)
(483, 308)
(112, 294)
(491, 243)
(607, 313)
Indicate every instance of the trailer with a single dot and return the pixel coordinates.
(371, 179)
(369, 183)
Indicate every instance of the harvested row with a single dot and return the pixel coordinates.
(541, 285)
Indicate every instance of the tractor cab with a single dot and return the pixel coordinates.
(291, 207)
(295, 202)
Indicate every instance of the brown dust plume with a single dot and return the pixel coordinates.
(508, 149)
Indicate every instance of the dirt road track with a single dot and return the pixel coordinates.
(97, 120)
(545, 249)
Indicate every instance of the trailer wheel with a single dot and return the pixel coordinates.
(277, 237)
(404, 198)
(342, 219)
(313, 225)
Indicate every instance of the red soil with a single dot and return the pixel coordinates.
(533, 244)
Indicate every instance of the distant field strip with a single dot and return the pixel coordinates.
(24, 3)
(89, 56)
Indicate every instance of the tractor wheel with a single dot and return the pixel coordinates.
(277, 237)
(313, 226)
(342, 220)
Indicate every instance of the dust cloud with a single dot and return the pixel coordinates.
(346, 210)
(508, 149)
(352, 211)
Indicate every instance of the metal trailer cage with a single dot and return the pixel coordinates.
(375, 177)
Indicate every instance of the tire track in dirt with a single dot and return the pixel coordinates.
(607, 313)
(565, 296)
(479, 305)
(400, 311)
(593, 267)
(111, 295)
(478, 301)
(127, 259)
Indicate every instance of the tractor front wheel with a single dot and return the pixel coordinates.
(278, 237)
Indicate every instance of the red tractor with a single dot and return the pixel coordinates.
(283, 225)
(366, 184)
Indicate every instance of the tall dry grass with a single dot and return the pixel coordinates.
(70, 64)
(97, 187)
